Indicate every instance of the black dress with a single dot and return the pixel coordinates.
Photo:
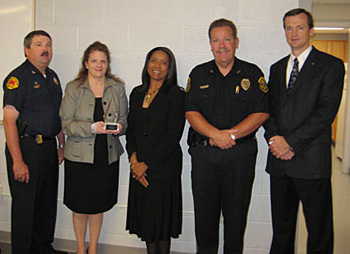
(92, 188)
(155, 213)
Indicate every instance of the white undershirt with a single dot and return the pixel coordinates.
(301, 58)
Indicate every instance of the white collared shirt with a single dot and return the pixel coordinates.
(301, 58)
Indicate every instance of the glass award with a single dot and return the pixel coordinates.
(110, 119)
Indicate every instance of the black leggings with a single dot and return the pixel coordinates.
(160, 247)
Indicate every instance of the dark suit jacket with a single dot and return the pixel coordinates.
(155, 133)
(304, 115)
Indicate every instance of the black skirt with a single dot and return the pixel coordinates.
(92, 188)
(155, 213)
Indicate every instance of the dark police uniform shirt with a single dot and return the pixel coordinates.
(36, 98)
(226, 101)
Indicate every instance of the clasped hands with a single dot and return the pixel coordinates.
(223, 138)
(138, 170)
(280, 148)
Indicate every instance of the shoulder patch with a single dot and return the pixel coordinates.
(262, 84)
(188, 87)
(12, 83)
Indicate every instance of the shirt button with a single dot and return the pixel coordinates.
(144, 133)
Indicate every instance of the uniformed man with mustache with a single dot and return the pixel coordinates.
(32, 98)
(226, 103)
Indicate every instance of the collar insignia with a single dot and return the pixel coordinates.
(55, 80)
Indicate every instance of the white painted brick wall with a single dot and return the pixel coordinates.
(130, 29)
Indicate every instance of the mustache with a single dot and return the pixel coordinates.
(45, 53)
(221, 50)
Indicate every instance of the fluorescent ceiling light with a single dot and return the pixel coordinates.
(329, 28)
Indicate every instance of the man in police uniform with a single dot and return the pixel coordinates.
(32, 97)
(226, 103)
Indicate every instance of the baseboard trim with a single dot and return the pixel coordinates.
(5, 237)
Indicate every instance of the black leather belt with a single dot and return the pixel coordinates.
(39, 139)
(27, 135)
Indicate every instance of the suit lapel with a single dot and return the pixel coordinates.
(282, 79)
(305, 72)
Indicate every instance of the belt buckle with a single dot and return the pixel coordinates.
(39, 139)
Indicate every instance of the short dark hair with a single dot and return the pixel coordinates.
(221, 23)
(297, 11)
(171, 78)
(28, 39)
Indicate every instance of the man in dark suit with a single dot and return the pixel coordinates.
(305, 93)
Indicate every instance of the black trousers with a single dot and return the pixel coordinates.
(34, 204)
(222, 182)
(316, 198)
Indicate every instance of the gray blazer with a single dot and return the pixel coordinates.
(76, 113)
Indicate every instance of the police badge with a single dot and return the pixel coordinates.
(245, 84)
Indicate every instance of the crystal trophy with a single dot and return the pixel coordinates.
(110, 119)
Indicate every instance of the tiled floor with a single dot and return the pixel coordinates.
(103, 249)
(341, 210)
(6, 248)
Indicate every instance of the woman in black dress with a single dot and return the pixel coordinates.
(92, 151)
(156, 120)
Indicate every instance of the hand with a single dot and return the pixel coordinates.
(133, 159)
(134, 166)
(101, 130)
(138, 170)
(143, 181)
(288, 156)
(223, 139)
(120, 128)
(280, 148)
(21, 172)
(60, 152)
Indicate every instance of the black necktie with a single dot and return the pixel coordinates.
(294, 74)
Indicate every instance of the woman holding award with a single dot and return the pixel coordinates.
(156, 120)
(94, 114)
